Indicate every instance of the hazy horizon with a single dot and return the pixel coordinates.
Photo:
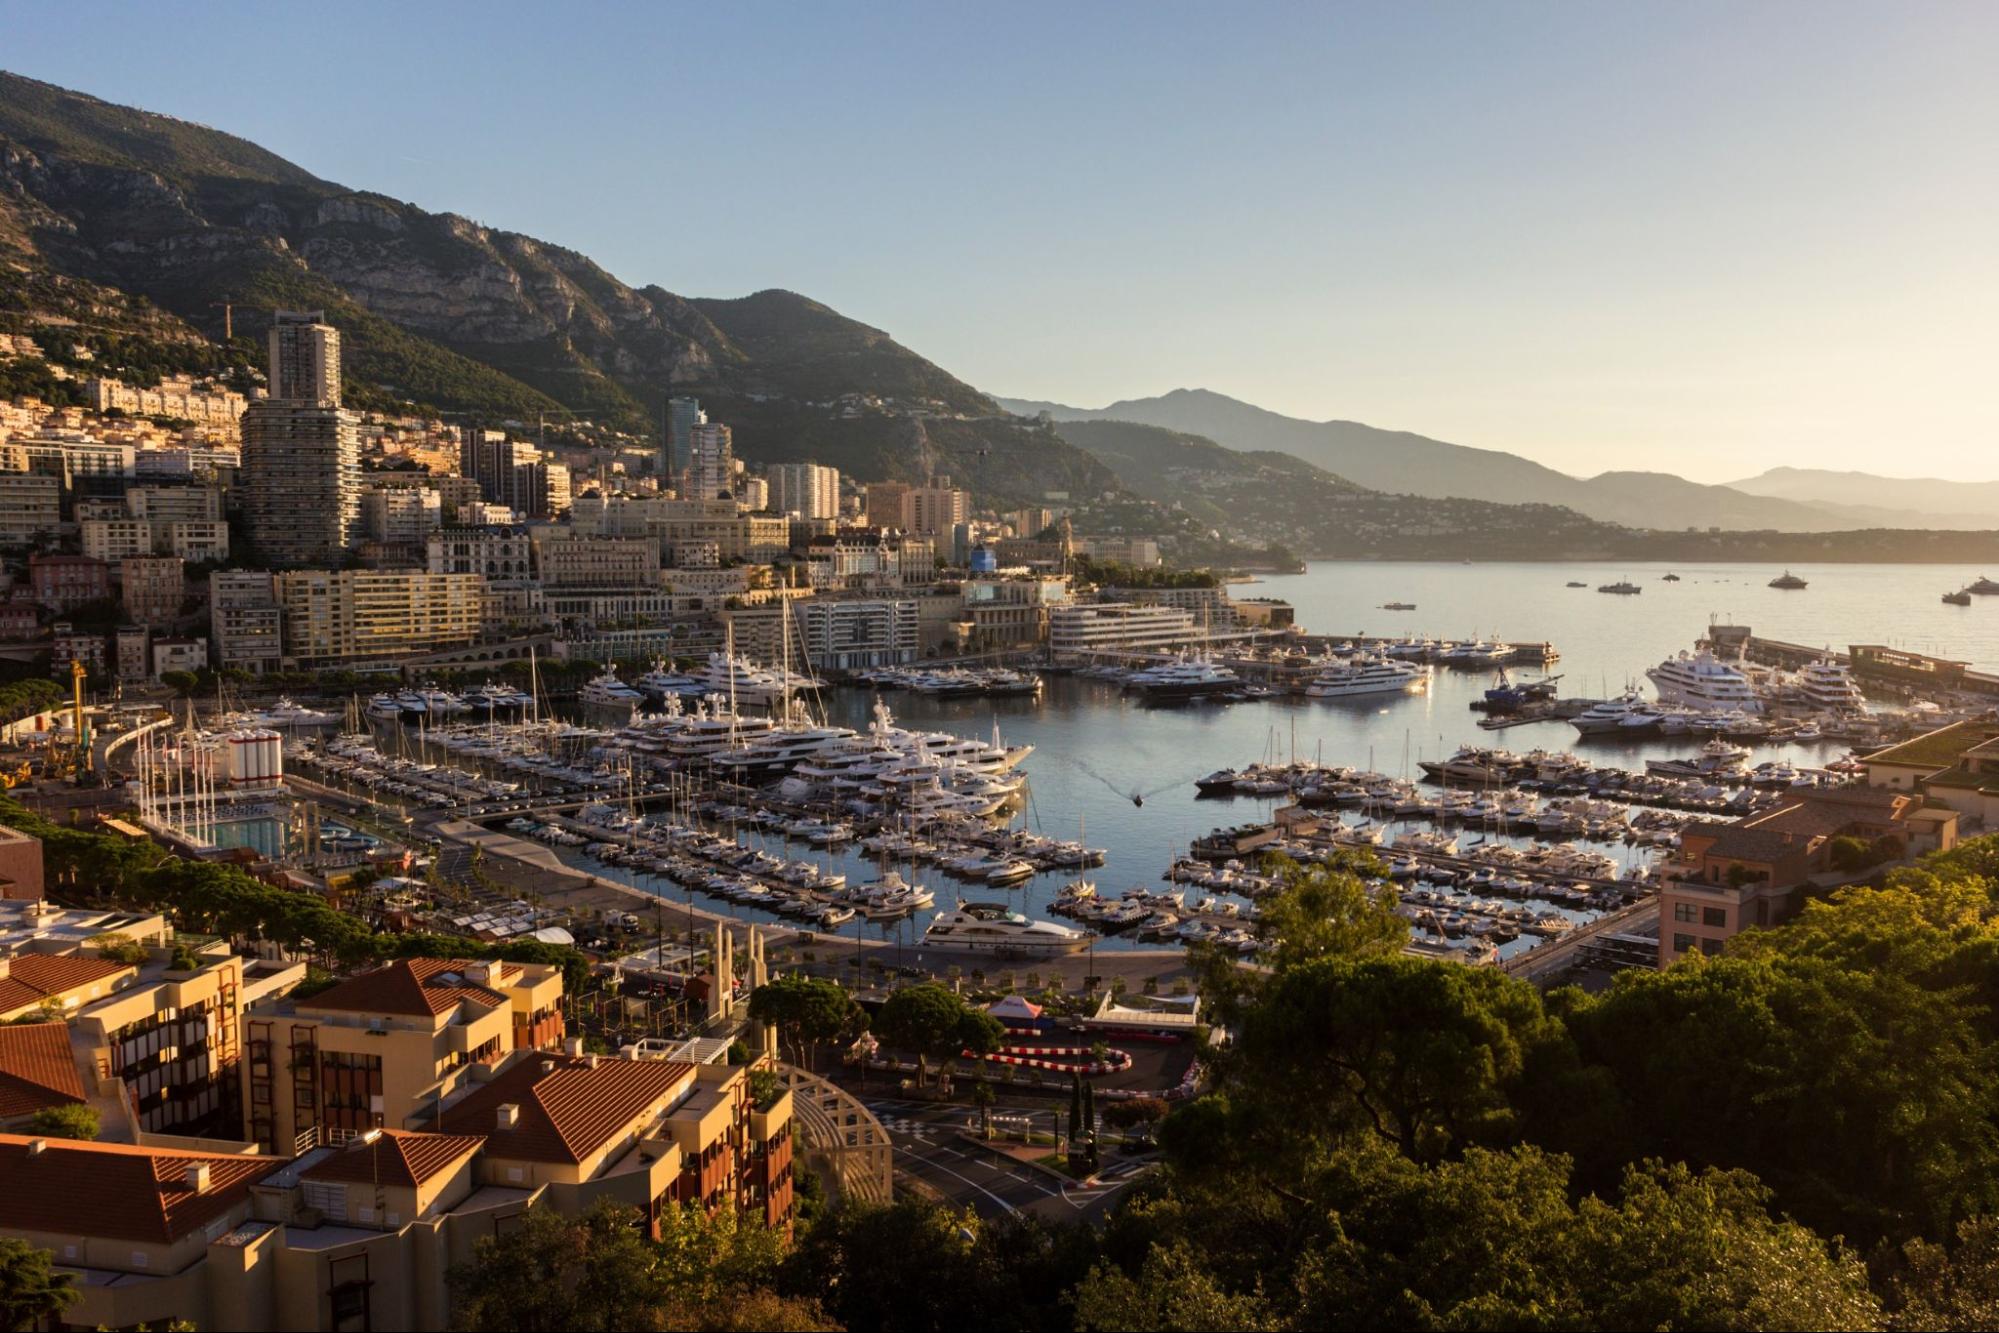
(1702, 238)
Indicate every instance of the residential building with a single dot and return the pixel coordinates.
(375, 617)
(805, 490)
(752, 494)
(676, 524)
(936, 507)
(401, 515)
(132, 649)
(887, 504)
(1140, 552)
(711, 463)
(514, 473)
(870, 558)
(1955, 766)
(20, 864)
(195, 542)
(153, 588)
(176, 396)
(68, 644)
(843, 634)
(245, 624)
(301, 484)
(1724, 879)
(64, 582)
(1012, 612)
(56, 984)
(304, 358)
(178, 655)
(1097, 627)
(110, 539)
(500, 555)
(174, 504)
(682, 416)
(30, 507)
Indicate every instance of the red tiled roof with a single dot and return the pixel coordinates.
(36, 1069)
(411, 986)
(34, 977)
(395, 1157)
(117, 1191)
(570, 1111)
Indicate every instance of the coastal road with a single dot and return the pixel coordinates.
(929, 1148)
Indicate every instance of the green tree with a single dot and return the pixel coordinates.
(1327, 911)
(935, 1023)
(554, 1272)
(1955, 1287)
(76, 1120)
(32, 1293)
(806, 1011)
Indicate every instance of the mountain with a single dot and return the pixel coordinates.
(1406, 463)
(115, 219)
(1943, 504)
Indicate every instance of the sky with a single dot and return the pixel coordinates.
(1691, 237)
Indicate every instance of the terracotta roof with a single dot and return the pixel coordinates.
(36, 1069)
(395, 1157)
(570, 1111)
(410, 986)
(117, 1191)
(34, 977)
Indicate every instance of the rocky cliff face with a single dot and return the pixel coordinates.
(443, 311)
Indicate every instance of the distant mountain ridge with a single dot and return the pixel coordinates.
(110, 213)
(1404, 462)
(1973, 504)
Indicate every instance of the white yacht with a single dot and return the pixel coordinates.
(1607, 715)
(996, 928)
(607, 692)
(385, 706)
(744, 682)
(1829, 685)
(1369, 675)
(663, 681)
(1183, 678)
(285, 713)
(1476, 653)
(1702, 680)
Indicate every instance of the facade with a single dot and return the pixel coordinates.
(937, 507)
(401, 515)
(1010, 612)
(858, 558)
(1725, 879)
(500, 555)
(30, 507)
(64, 582)
(886, 504)
(1117, 627)
(178, 655)
(245, 625)
(1955, 766)
(806, 490)
(598, 562)
(682, 416)
(304, 358)
(176, 396)
(301, 483)
(841, 634)
(153, 588)
(20, 864)
(375, 617)
(711, 463)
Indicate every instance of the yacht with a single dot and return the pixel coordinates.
(1787, 580)
(607, 692)
(663, 680)
(1184, 678)
(1829, 685)
(1476, 653)
(1984, 587)
(1962, 597)
(1717, 759)
(1472, 764)
(285, 713)
(384, 706)
(1364, 676)
(1608, 715)
(997, 928)
(744, 682)
(1702, 680)
(1625, 588)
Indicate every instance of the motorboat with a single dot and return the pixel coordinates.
(1622, 588)
(1788, 581)
(607, 692)
(1368, 676)
(997, 928)
(1608, 715)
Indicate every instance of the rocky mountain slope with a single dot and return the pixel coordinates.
(1404, 462)
(435, 309)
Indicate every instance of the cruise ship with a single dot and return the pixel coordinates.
(997, 928)
(1365, 676)
(1828, 684)
(1702, 680)
(1184, 678)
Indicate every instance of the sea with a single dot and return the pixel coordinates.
(1096, 750)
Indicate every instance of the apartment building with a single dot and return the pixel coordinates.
(682, 416)
(176, 396)
(20, 865)
(677, 524)
(805, 490)
(852, 634)
(64, 582)
(936, 507)
(1096, 627)
(304, 354)
(711, 462)
(886, 504)
(858, 558)
(245, 625)
(1724, 879)
(30, 507)
(152, 588)
(356, 617)
(568, 562)
(401, 515)
(301, 484)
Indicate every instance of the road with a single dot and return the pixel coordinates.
(928, 1148)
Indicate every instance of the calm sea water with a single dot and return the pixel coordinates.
(1094, 748)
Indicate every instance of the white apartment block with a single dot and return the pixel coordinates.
(244, 623)
(805, 489)
(30, 507)
(851, 635)
(177, 396)
(375, 617)
(403, 515)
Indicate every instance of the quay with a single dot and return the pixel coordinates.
(1879, 668)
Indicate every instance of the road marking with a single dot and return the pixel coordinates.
(932, 1162)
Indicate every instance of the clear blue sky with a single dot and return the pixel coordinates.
(1701, 237)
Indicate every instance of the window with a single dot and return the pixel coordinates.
(1682, 943)
(1714, 916)
(1685, 911)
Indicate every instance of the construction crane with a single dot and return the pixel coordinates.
(227, 305)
